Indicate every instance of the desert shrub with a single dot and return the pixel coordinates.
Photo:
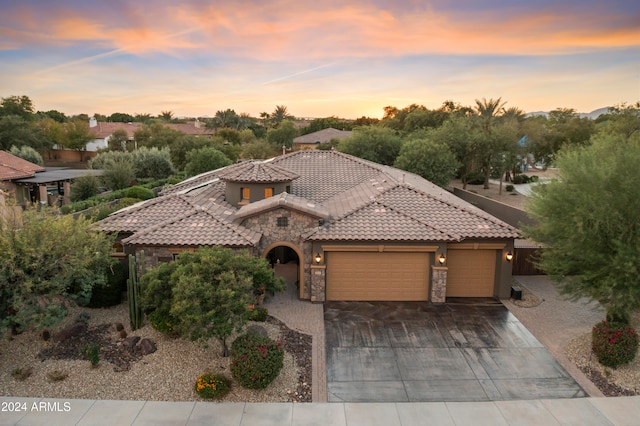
(614, 343)
(518, 179)
(152, 163)
(84, 187)
(92, 353)
(140, 193)
(22, 373)
(212, 386)
(27, 153)
(57, 376)
(256, 360)
(510, 188)
(533, 178)
(258, 314)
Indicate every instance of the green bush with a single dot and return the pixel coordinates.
(84, 187)
(140, 193)
(110, 294)
(258, 314)
(475, 178)
(255, 360)
(92, 353)
(518, 179)
(212, 386)
(510, 188)
(614, 343)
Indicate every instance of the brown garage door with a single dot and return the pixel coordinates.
(377, 276)
(471, 273)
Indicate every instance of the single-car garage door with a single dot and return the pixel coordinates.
(470, 273)
(360, 276)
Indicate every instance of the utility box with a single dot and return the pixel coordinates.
(516, 292)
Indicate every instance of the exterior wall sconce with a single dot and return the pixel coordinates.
(509, 256)
(442, 259)
(317, 258)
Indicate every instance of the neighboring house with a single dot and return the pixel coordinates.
(312, 140)
(30, 183)
(102, 131)
(355, 229)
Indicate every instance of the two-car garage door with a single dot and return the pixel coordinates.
(404, 276)
(378, 276)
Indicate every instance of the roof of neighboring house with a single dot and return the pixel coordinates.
(12, 167)
(59, 174)
(359, 201)
(103, 130)
(256, 172)
(324, 135)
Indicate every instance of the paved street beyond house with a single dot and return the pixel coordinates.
(420, 352)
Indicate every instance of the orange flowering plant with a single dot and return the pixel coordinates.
(212, 386)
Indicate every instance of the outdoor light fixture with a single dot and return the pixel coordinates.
(509, 256)
(318, 258)
(442, 259)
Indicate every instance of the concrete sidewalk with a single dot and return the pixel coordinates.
(580, 411)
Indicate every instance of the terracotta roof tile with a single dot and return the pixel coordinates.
(12, 167)
(256, 171)
(196, 227)
(282, 200)
(376, 222)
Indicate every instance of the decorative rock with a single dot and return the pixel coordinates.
(46, 335)
(256, 329)
(147, 346)
(131, 342)
(119, 326)
(123, 334)
(74, 330)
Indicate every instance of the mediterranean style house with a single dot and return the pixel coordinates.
(356, 230)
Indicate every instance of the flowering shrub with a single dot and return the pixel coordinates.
(614, 343)
(256, 360)
(211, 385)
(258, 314)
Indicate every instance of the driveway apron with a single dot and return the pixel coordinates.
(414, 351)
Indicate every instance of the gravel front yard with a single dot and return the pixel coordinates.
(169, 374)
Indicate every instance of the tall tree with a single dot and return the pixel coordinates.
(77, 136)
(588, 221)
(280, 114)
(283, 135)
(431, 160)
(457, 133)
(17, 105)
(166, 116)
(378, 144)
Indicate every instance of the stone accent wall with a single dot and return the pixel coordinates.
(438, 284)
(298, 225)
(317, 284)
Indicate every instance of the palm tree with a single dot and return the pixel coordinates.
(280, 114)
(488, 110)
(166, 116)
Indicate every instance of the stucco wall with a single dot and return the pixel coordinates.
(511, 215)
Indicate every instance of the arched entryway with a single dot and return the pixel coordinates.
(286, 260)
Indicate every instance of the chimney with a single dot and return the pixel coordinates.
(93, 122)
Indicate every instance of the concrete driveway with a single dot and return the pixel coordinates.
(414, 351)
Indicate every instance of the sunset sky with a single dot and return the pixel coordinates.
(319, 58)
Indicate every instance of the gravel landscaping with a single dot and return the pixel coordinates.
(621, 381)
(54, 369)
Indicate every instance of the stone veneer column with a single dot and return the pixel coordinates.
(438, 284)
(66, 188)
(318, 282)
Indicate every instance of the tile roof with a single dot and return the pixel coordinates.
(256, 172)
(325, 174)
(12, 167)
(377, 222)
(104, 129)
(195, 227)
(285, 200)
(359, 200)
(324, 135)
